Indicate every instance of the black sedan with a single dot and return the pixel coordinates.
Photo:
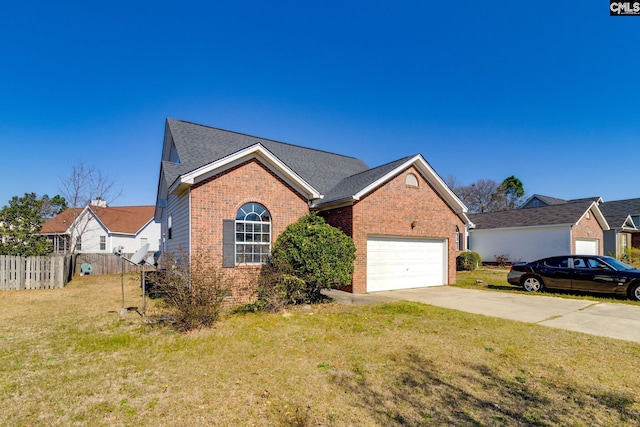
(585, 273)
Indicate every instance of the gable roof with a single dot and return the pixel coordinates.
(192, 153)
(198, 145)
(548, 201)
(568, 213)
(618, 213)
(60, 223)
(354, 184)
(118, 220)
(124, 219)
(357, 186)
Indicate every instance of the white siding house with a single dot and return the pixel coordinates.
(521, 244)
(529, 234)
(99, 229)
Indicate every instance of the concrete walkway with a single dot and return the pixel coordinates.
(612, 320)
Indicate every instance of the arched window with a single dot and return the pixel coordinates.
(411, 180)
(253, 234)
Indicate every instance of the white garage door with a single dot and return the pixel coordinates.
(394, 263)
(586, 247)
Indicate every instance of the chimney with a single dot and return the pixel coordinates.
(99, 202)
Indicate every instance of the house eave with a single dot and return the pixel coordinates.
(567, 225)
(430, 175)
(257, 152)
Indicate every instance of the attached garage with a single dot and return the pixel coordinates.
(397, 263)
(587, 247)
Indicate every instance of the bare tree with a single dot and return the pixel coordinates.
(82, 185)
(482, 196)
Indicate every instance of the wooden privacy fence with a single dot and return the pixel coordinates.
(37, 272)
(106, 263)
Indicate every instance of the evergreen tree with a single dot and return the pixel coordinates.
(20, 222)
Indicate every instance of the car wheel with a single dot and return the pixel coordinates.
(532, 284)
(634, 292)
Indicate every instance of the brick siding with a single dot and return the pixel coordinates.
(588, 228)
(390, 210)
(220, 197)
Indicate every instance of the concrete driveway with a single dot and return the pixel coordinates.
(606, 319)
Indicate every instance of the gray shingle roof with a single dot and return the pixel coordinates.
(358, 182)
(563, 213)
(616, 212)
(547, 200)
(199, 145)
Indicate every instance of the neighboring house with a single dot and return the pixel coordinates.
(230, 195)
(538, 201)
(569, 227)
(623, 217)
(99, 229)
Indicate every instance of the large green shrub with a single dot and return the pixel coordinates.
(468, 261)
(316, 252)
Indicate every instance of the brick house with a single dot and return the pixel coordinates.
(230, 195)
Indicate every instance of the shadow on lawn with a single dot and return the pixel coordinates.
(418, 394)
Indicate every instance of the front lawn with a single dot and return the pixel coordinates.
(68, 358)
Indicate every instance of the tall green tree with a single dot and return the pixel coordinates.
(52, 206)
(512, 191)
(20, 222)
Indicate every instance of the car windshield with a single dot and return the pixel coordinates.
(618, 265)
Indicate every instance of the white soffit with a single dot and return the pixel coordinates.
(430, 175)
(258, 152)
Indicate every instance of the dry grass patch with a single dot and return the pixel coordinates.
(67, 360)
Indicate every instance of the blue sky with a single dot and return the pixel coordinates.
(546, 91)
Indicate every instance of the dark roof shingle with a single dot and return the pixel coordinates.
(563, 213)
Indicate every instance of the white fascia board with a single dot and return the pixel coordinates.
(599, 217)
(628, 224)
(256, 151)
(431, 176)
(99, 221)
(567, 225)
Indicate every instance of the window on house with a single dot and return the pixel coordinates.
(169, 227)
(253, 234)
(103, 243)
(624, 242)
(458, 239)
(411, 180)
(79, 243)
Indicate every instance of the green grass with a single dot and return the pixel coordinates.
(68, 358)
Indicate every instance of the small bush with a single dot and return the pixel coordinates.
(502, 260)
(275, 291)
(468, 261)
(192, 291)
(632, 256)
(319, 254)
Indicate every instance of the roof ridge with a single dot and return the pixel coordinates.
(263, 138)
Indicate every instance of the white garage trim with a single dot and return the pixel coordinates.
(402, 263)
(587, 247)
